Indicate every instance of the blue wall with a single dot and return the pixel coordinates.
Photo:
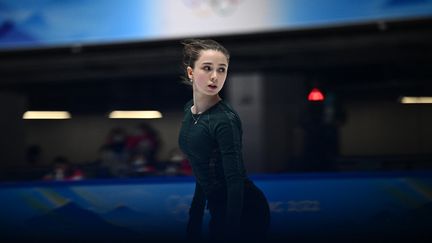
(302, 205)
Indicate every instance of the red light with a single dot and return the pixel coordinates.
(315, 95)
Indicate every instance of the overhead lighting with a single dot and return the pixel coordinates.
(46, 115)
(135, 115)
(416, 100)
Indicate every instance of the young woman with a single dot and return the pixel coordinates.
(211, 138)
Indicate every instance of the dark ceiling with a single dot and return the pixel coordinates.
(370, 57)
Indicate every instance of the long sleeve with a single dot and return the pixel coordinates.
(213, 147)
(196, 213)
(228, 135)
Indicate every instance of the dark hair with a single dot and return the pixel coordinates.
(192, 50)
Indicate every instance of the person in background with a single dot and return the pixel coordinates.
(114, 154)
(211, 138)
(143, 145)
(144, 140)
(34, 155)
(63, 171)
(35, 166)
(140, 165)
(178, 164)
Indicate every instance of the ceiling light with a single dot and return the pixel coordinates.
(46, 115)
(416, 100)
(135, 115)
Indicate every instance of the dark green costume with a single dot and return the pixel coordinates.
(212, 142)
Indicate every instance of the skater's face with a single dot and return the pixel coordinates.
(209, 72)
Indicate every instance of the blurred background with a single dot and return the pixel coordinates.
(335, 98)
(320, 86)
